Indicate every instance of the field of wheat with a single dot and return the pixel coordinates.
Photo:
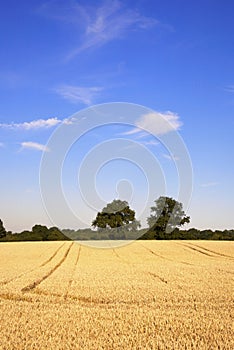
(146, 295)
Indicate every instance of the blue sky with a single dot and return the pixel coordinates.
(173, 57)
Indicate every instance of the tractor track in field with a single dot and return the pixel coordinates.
(52, 256)
(165, 258)
(16, 297)
(158, 277)
(212, 251)
(230, 272)
(117, 255)
(36, 283)
(2, 283)
(73, 272)
(156, 254)
(120, 257)
(205, 253)
(39, 295)
(197, 250)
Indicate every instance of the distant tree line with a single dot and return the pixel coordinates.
(145, 234)
(117, 221)
(191, 234)
(38, 233)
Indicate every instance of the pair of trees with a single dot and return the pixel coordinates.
(118, 218)
(117, 221)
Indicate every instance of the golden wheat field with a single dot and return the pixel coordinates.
(146, 295)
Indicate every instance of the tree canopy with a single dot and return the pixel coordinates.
(117, 218)
(166, 215)
(2, 230)
(38, 233)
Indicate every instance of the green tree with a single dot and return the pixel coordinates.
(54, 234)
(116, 219)
(41, 231)
(2, 230)
(166, 215)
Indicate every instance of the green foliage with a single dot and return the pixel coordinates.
(191, 234)
(38, 233)
(2, 230)
(116, 220)
(165, 216)
(79, 235)
(54, 234)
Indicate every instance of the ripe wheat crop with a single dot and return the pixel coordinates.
(146, 295)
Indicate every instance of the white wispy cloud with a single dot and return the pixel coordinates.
(151, 143)
(33, 125)
(108, 22)
(79, 94)
(99, 24)
(34, 146)
(209, 184)
(1, 144)
(171, 157)
(155, 123)
(138, 133)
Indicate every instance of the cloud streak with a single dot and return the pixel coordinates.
(109, 22)
(37, 124)
(151, 143)
(79, 94)
(97, 25)
(34, 146)
(171, 157)
(33, 125)
(155, 123)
